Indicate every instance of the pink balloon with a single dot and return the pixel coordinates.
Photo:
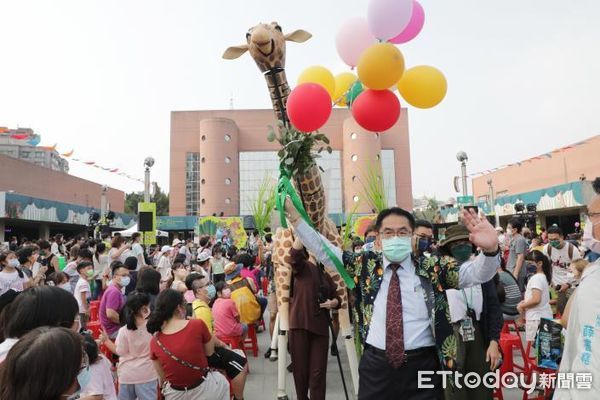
(414, 26)
(352, 39)
(388, 18)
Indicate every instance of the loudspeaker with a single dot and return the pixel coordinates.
(145, 221)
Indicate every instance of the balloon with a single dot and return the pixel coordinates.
(356, 89)
(414, 26)
(376, 110)
(343, 83)
(352, 39)
(423, 86)
(309, 107)
(380, 66)
(319, 75)
(387, 18)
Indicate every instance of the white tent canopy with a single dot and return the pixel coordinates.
(130, 231)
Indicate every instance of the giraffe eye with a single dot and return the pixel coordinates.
(278, 28)
(248, 36)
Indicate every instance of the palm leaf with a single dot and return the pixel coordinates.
(264, 204)
(373, 188)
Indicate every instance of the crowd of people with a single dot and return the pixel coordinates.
(168, 314)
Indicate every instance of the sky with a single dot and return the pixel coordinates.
(102, 77)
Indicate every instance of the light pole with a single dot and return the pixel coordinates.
(148, 163)
(462, 158)
(493, 202)
(103, 208)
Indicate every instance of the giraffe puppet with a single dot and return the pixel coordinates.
(266, 45)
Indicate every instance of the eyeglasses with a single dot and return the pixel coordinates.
(592, 214)
(390, 233)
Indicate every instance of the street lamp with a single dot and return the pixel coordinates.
(148, 163)
(462, 158)
(493, 201)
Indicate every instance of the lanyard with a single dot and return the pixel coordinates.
(471, 296)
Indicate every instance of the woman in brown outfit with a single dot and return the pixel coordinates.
(313, 295)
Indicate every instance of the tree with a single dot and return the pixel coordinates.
(431, 210)
(160, 198)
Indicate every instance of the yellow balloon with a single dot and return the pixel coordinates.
(423, 86)
(343, 82)
(320, 75)
(380, 66)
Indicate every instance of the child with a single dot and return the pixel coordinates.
(537, 295)
(11, 277)
(82, 290)
(137, 376)
(101, 383)
(59, 279)
(180, 272)
(225, 314)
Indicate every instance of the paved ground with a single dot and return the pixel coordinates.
(262, 381)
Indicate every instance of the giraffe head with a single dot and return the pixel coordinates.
(266, 45)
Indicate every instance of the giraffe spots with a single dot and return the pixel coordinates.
(287, 244)
(285, 287)
(285, 299)
(280, 252)
(283, 274)
(287, 233)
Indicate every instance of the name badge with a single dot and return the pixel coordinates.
(467, 330)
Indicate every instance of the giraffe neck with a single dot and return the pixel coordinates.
(279, 91)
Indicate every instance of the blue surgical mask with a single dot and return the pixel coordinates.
(125, 281)
(83, 378)
(13, 263)
(424, 244)
(397, 249)
(211, 291)
(370, 239)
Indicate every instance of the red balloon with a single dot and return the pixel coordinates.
(376, 110)
(309, 107)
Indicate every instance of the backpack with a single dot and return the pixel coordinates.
(245, 300)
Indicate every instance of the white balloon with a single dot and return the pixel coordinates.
(388, 18)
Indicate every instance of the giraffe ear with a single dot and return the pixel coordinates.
(235, 51)
(298, 36)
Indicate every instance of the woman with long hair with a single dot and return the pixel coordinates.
(179, 350)
(46, 364)
(148, 282)
(41, 306)
(536, 304)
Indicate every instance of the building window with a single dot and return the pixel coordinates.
(255, 166)
(192, 183)
(389, 176)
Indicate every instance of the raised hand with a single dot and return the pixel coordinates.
(482, 233)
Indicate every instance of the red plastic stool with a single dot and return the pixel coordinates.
(265, 286)
(95, 328)
(251, 343)
(509, 342)
(94, 311)
(235, 342)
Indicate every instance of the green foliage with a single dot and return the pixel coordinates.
(431, 211)
(299, 149)
(160, 198)
(347, 231)
(373, 188)
(263, 205)
(207, 227)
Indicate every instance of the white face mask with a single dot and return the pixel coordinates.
(589, 240)
(13, 263)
